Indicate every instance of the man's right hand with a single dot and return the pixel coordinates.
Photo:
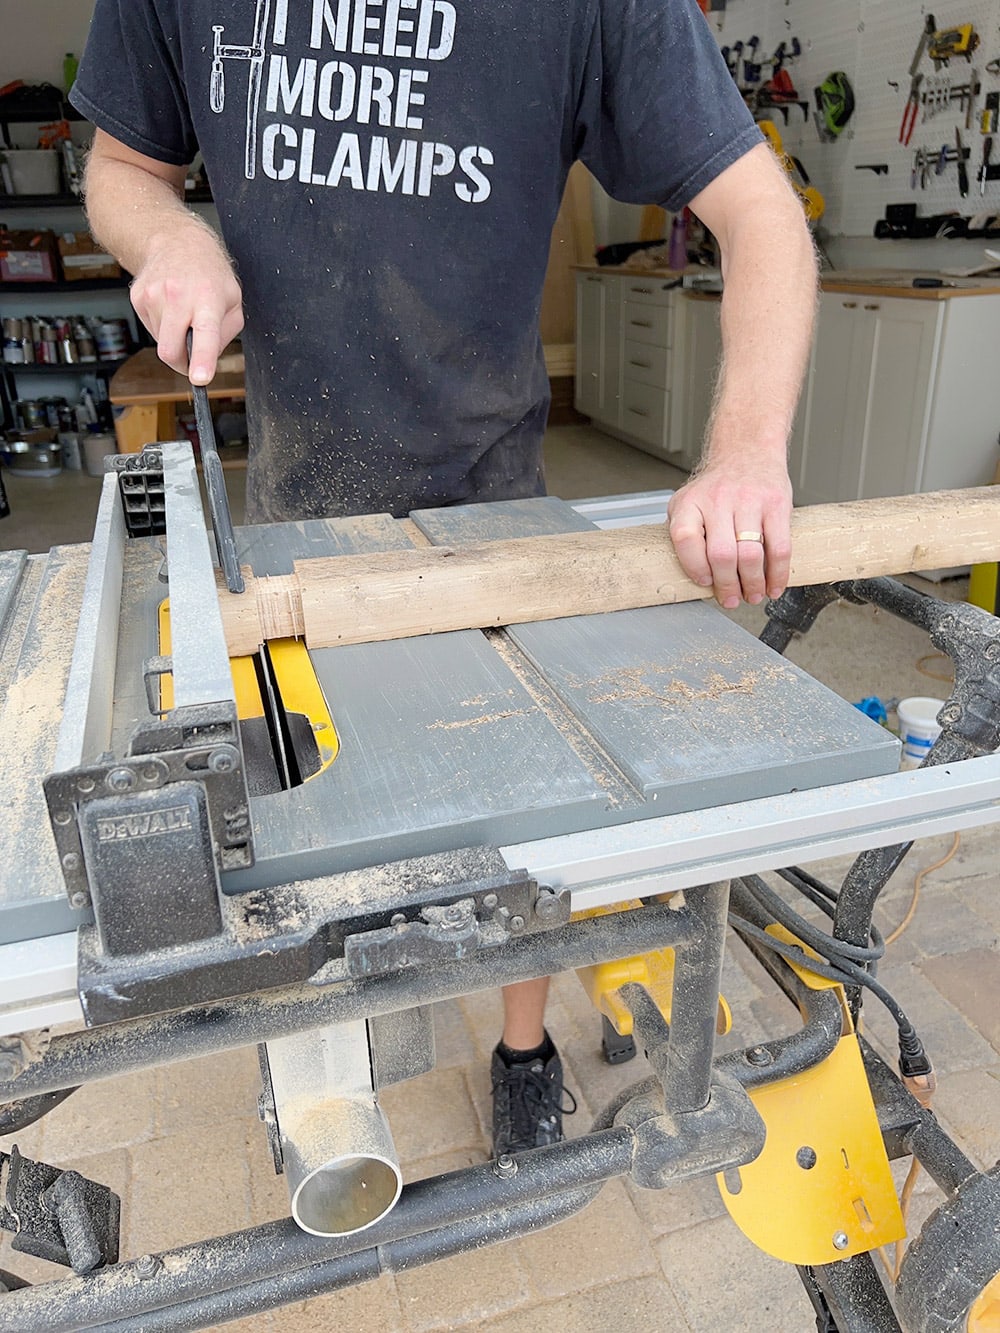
(183, 277)
(187, 282)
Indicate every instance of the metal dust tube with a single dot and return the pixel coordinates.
(340, 1162)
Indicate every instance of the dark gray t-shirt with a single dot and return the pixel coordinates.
(387, 174)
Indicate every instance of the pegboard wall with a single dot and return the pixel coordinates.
(873, 42)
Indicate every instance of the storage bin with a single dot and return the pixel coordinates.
(96, 448)
(28, 256)
(33, 170)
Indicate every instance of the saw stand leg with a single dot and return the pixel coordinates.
(970, 717)
(970, 727)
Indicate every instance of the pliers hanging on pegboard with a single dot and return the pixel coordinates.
(911, 109)
(916, 79)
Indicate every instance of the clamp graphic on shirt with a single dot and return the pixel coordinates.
(254, 55)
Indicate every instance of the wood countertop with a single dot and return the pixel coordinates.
(861, 282)
(144, 380)
(899, 282)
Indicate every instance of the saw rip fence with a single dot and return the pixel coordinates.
(331, 601)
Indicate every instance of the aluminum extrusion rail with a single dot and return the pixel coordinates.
(651, 856)
(680, 851)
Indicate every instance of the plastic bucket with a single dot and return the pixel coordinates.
(96, 448)
(918, 727)
(33, 170)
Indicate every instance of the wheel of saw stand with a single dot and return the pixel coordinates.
(950, 1278)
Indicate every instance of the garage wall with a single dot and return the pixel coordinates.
(873, 41)
(36, 34)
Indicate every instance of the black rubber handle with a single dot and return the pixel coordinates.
(215, 485)
(963, 175)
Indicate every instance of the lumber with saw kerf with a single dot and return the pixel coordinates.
(397, 594)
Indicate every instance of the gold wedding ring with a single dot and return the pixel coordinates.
(750, 537)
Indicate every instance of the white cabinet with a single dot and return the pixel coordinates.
(645, 361)
(647, 321)
(902, 396)
(598, 346)
(697, 356)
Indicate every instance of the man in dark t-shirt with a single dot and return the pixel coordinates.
(387, 174)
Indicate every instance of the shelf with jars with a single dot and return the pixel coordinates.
(58, 345)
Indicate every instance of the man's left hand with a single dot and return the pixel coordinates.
(730, 526)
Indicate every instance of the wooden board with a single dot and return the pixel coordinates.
(466, 739)
(400, 594)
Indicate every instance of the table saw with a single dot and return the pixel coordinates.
(304, 849)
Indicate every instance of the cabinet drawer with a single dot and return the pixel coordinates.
(651, 291)
(645, 364)
(644, 411)
(646, 323)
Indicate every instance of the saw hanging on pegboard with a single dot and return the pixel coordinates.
(834, 105)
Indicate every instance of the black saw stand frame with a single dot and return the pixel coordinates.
(691, 1117)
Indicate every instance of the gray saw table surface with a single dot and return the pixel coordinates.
(447, 740)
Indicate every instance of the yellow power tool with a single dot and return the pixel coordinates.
(811, 199)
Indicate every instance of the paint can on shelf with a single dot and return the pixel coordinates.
(112, 337)
(13, 343)
(31, 413)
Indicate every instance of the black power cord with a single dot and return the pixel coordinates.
(847, 964)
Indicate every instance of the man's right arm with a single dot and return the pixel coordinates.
(183, 277)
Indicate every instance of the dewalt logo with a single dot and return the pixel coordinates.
(175, 819)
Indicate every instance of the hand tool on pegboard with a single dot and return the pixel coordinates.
(971, 96)
(963, 175)
(215, 485)
(949, 43)
(732, 55)
(921, 161)
(916, 79)
(751, 66)
(935, 95)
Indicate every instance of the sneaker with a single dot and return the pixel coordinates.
(528, 1103)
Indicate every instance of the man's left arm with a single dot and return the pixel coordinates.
(768, 311)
